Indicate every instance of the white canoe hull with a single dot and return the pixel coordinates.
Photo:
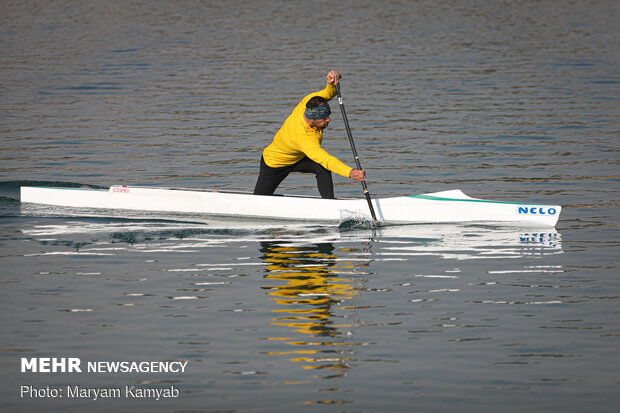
(435, 208)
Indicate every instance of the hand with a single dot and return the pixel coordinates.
(358, 174)
(333, 77)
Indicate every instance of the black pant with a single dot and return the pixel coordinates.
(269, 178)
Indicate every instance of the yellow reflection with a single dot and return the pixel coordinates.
(308, 290)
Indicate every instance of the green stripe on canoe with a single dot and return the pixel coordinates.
(438, 198)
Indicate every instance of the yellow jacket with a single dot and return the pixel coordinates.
(297, 139)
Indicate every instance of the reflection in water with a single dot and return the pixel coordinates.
(467, 242)
(311, 289)
(310, 281)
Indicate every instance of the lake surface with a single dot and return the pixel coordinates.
(513, 102)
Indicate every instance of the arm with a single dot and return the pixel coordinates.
(329, 162)
(333, 78)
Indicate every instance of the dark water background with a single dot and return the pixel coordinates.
(504, 100)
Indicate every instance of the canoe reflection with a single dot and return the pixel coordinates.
(309, 295)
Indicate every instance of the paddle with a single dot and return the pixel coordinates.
(357, 159)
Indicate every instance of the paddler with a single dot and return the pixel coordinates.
(297, 146)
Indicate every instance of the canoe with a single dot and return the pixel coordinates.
(432, 208)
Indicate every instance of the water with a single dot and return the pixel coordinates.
(506, 101)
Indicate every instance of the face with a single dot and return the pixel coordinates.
(322, 123)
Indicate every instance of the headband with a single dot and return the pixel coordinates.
(320, 112)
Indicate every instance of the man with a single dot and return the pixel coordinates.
(297, 146)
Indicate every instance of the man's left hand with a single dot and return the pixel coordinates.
(358, 174)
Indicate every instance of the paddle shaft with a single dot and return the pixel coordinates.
(357, 159)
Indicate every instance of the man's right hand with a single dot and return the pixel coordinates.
(333, 77)
(358, 174)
